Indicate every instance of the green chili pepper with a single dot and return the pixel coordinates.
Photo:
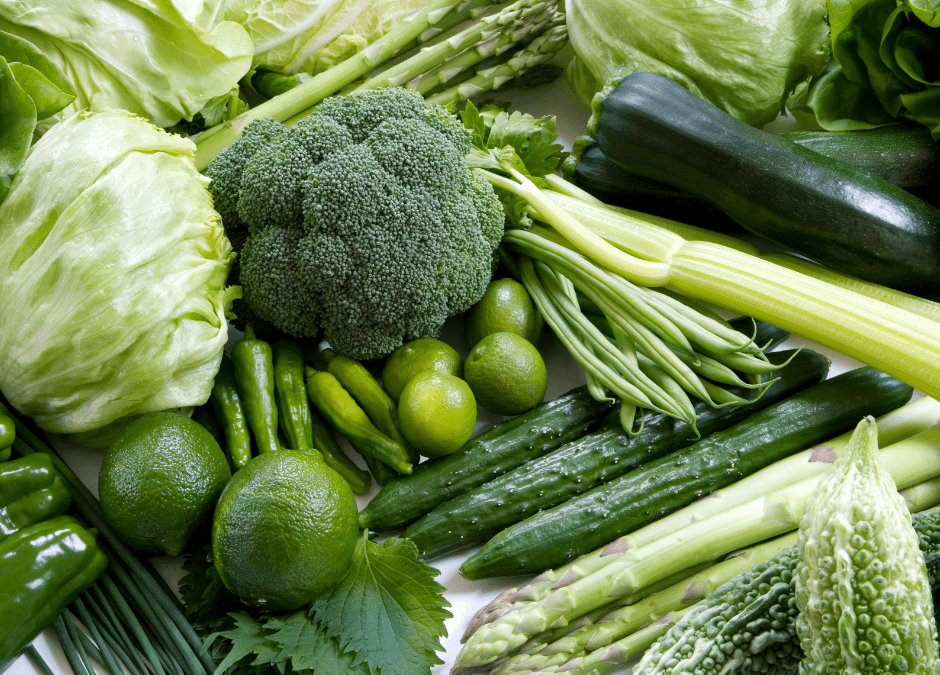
(370, 395)
(253, 360)
(291, 395)
(227, 405)
(31, 491)
(360, 481)
(7, 436)
(43, 568)
(344, 414)
(206, 418)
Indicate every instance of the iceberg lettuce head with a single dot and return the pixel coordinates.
(113, 266)
(744, 56)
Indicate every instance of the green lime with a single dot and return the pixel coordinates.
(437, 413)
(505, 307)
(506, 373)
(160, 480)
(285, 530)
(415, 357)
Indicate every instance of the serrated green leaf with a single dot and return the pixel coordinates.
(247, 637)
(388, 609)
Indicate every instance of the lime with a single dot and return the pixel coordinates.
(285, 530)
(437, 413)
(505, 307)
(415, 357)
(506, 373)
(160, 480)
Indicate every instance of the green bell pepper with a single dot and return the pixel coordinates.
(43, 568)
(31, 491)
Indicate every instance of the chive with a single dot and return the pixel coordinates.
(108, 658)
(130, 620)
(36, 659)
(69, 648)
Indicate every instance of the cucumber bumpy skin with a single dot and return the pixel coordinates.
(861, 584)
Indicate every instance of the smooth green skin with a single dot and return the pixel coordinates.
(342, 412)
(416, 357)
(834, 213)
(505, 307)
(370, 395)
(290, 392)
(43, 568)
(360, 481)
(253, 363)
(31, 491)
(284, 530)
(227, 405)
(861, 586)
(7, 436)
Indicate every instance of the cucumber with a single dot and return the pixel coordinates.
(500, 449)
(590, 461)
(584, 523)
(828, 210)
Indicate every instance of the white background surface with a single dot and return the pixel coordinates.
(465, 596)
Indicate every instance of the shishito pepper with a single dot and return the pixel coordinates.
(291, 395)
(31, 491)
(343, 413)
(230, 413)
(43, 568)
(7, 436)
(253, 361)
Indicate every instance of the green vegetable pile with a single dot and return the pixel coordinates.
(361, 221)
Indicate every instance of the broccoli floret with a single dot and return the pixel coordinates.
(363, 220)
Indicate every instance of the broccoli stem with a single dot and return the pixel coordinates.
(436, 18)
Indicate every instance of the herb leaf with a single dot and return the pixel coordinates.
(388, 609)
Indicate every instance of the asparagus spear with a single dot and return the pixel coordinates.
(909, 462)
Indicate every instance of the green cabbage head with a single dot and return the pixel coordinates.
(161, 60)
(744, 56)
(309, 36)
(113, 266)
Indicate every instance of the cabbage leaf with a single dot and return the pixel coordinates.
(162, 59)
(744, 56)
(294, 36)
(113, 266)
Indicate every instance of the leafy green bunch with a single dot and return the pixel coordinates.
(362, 221)
(385, 616)
(884, 67)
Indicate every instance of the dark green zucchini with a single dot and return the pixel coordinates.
(584, 523)
(592, 460)
(500, 449)
(904, 155)
(832, 212)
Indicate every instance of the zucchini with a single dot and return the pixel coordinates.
(904, 155)
(482, 458)
(584, 523)
(832, 212)
(590, 461)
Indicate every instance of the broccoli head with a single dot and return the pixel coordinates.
(362, 221)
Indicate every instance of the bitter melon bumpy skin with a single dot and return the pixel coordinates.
(861, 584)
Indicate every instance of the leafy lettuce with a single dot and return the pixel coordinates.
(885, 66)
(161, 60)
(32, 88)
(113, 266)
(744, 56)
